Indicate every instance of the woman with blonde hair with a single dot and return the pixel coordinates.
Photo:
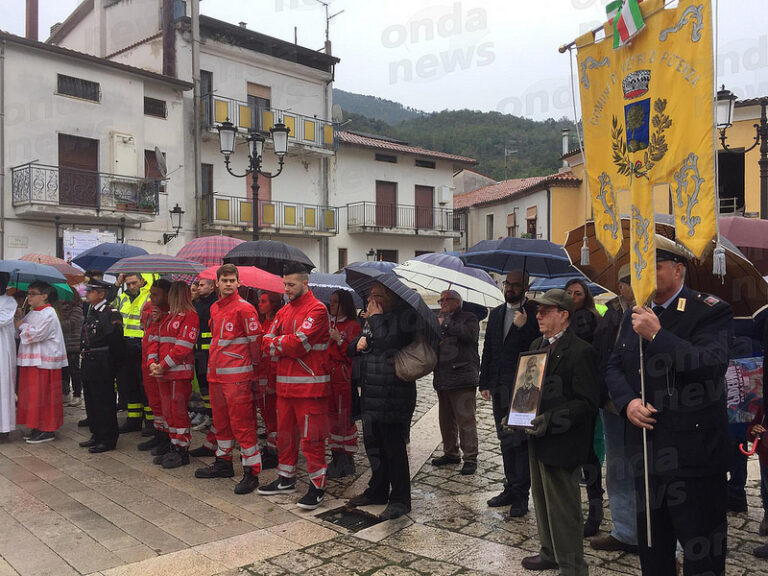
(174, 370)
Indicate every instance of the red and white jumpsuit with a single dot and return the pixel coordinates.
(235, 350)
(149, 346)
(176, 343)
(265, 399)
(343, 436)
(298, 338)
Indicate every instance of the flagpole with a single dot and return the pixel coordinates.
(645, 450)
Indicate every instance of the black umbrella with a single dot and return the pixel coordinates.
(362, 277)
(268, 255)
(536, 256)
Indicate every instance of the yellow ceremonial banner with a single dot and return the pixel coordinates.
(647, 112)
(642, 242)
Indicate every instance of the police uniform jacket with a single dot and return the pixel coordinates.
(685, 367)
(101, 343)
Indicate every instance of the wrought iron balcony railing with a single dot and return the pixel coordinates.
(279, 216)
(305, 130)
(374, 217)
(39, 184)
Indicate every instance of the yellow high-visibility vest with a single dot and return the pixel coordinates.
(131, 311)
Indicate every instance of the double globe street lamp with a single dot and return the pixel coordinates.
(726, 102)
(227, 141)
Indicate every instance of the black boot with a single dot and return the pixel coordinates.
(348, 465)
(149, 428)
(202, 452)
(249, 483)
(594, 518)
(219, 469)
(163, 445)
(335, 467)
(151, 443)
(130, 425)
(176, 457)
(269, 460)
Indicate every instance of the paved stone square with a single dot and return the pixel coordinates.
(64, 512)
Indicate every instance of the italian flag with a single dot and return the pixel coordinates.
(626, 19)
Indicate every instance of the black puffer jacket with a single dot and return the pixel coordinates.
(384, 396)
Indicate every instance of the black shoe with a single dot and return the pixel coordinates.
(163, 445)
(312, 499)
(269, 460)
(444, 460)
(594, 518)
(31, 433)
(364, 500)
(175, 459)
(130, 425)
(159, 459)
(518, 509)
(736, 504)
(504, 499)
(763, 530)
(149, 429)
(334, 468)
(248, 484)
(282, 485)
(537, 563)
(610, 544)
(41, 437)
(468, 468)
(219, 469)
(348, 465)
(99, 448)
(394, 510)
(82, 423)
(202, 451)
(88, 443)
(149, 444)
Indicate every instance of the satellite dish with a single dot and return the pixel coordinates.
(161, 165)
(337, 114)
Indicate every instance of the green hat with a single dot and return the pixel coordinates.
(556, 297)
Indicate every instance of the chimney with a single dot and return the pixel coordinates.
(566, 145)
(243, 24)
(55, 27)
(169, 40)
(32, 20)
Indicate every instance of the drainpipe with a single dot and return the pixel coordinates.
(325, 175)
(196, 117)
(2, 150)
(549, 214)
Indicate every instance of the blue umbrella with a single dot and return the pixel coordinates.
(362, 277)
(323, 285)
(544, 284)
(28, 272)
(103, 256)
(537, 257)
(381, 265)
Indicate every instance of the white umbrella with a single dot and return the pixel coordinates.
(451, 274)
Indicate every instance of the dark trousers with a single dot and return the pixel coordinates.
(100, 400)
(593, 473)
(737, 469)
(514, 450)
(70, 375)
(129, 387)
(201, 371)
(385, 446)
(691, 510)
(458, 424)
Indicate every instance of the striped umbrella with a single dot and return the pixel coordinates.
(208, 250)
(156, 264)
(72, 274)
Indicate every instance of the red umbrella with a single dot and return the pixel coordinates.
(208, 250)
(73, 275)
(251, 277)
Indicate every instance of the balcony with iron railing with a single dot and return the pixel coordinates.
(283, 218)
(371, 217)
(44, 190)
(307, 131)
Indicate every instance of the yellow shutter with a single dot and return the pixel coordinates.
(328, 135)
(289, 215)
(222, 209)
(290, 121)
(267, 120)
(330, 219)
(268, 214)
(309, 217)
(244, 119)
(246, 211)
(222, 112)
(309, 130)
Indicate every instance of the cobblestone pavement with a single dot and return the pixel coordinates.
(64, 511)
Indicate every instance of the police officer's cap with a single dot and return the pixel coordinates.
(670, 250)
(96, 284)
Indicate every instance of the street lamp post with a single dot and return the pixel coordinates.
(177, 219)
(227, 141)
(726, 102)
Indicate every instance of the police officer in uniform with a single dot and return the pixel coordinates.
(685, 337)
(102, 350)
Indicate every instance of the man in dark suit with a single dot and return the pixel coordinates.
(561, 437)
(511, 329)
(685, 338)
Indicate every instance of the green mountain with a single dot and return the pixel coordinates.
(374, 107)
(532, 148)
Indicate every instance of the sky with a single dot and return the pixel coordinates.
(444, 54)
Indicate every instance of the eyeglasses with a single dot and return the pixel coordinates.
(544, 311)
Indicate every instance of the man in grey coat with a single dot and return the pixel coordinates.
(455, 379)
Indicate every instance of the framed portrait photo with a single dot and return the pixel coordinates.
(526, 394)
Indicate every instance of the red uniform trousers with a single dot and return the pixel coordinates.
(265, 401)
(40, 406)
(174, 396)
(232, 404)
(152, 391)
(305, 421)
(343, 437)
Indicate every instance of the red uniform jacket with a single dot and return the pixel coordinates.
(339, 362)
(177, 337)
(235, 340)
(299, 339)
(150, 339)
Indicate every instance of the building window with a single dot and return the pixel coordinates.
(155, 107)
(512, 224)
(342, 258)
(152, 169)
(79, 88)
(422, 252)
(424, 164)
(386, 256)
(386, 158)
(489, 226)
(531, 214)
